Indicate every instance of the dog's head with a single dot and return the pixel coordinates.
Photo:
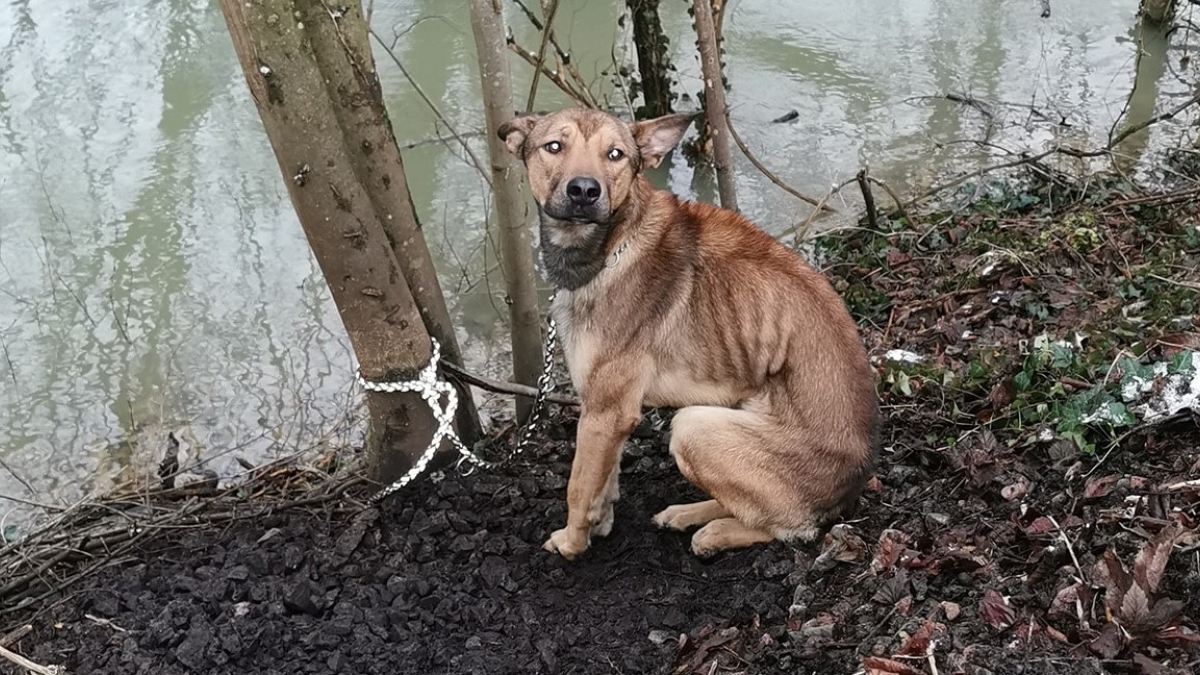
(582, 163)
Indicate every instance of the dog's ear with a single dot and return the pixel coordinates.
(515, 131)
(657, 137)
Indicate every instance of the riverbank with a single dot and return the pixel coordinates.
(1034, 510)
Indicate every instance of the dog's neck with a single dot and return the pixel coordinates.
(573, 256)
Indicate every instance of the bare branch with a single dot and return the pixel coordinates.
(551, 8)
(390, 51)
(767, 172)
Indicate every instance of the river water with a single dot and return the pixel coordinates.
(153, 276)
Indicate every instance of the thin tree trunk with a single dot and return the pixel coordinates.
(714, 102)
(286, 49)
(380, 170)
(1159, 11)
(653, 61)
(516, 252)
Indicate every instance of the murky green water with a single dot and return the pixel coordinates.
(154, 277)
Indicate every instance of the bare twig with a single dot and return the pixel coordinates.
(32, 667)
(388, 49)
(551, 8)
(868, 199)
(580, 95)
(562, 54)
(802, 230)
(504, 387)
(14, 636)
(714, 101)
(767, 172)
(895, 198)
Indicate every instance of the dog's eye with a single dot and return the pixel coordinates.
(553, 147)
(615, 154)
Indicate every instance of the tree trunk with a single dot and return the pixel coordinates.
(516, 252)
(379, 166)
(287, 51)
(1158, 11)
(653, 62)
(714, 102)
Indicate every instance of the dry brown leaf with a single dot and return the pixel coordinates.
(1068, 600)
(1016, 489)
(1098, 487)
(918, 644)
(1152, 559)
(892, 544)
(996, 611)
(877, 665)
(841, 545)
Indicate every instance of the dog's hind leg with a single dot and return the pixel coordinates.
(725, 533)
(747, 462)
(684, 516)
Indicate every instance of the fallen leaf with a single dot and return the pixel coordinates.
(918, 644)
(1110, 573)
(996, 610)
(1068, 600)
(1015, 490)
(893, 590)
(877, 665)
(1108, 642)
(1152, 559)
(841, 545)
(892, 544)
(1098, 487)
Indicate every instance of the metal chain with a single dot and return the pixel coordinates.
(432, 389)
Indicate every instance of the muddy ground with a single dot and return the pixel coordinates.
(1000, 534)
(450, 578)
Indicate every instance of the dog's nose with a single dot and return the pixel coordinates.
(583, 191)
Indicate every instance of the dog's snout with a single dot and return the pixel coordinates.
(583, 190)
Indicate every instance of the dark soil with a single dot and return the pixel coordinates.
(450, 578)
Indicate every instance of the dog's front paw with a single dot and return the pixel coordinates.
(674, 517)
(567, 542)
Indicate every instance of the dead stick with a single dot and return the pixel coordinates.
(767, 172)
(505, 387)
(32, 667)
(550, 9)
(554, 77)
(868, 198)
(802, 231)
(895, 198)
(15, 635)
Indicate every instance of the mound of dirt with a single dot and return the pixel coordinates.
(449, 577)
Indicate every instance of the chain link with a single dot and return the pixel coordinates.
(432, 390)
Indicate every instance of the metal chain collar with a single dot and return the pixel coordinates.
(432, 390)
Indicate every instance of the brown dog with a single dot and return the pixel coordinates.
(676, 304)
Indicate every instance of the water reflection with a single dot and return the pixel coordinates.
(153, 276)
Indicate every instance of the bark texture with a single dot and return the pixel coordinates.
(714, 102)
(512, 216)
(654, 64)
(296, 57)
(1159, 11)
(379, 166)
